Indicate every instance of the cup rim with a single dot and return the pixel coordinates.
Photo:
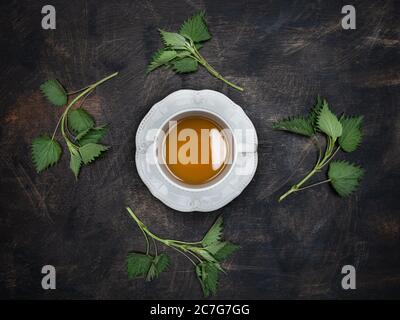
(209, 185)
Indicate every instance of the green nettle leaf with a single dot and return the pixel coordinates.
(182, 54)
(344, 133)
(45, 152)
(195, 28)
(92, 135)
(222, 250)
(328, 122)
(138, 264)
(180, 50)
(54, 92)
(351, 135)
(76, 126)
(158, 265)
(161, 57)
(82, 133)
(79, 120)
(173, 40)
(306, 126)
(208, 273)
(91, 151)
(161, 262)
(345, 177)
(184, 65)
(75, 164)
(214, 233)
(75, 161)
(209, 252)
(204, 253)
(299, 125)
(315, 111)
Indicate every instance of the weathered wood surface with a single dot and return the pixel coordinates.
(283, 53)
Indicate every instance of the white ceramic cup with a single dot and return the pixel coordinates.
(159, 149)
(225, 186)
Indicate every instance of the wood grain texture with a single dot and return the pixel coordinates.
(283, 53)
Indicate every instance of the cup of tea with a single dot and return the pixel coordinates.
(196, 150)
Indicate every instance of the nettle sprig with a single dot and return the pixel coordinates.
(181, 50)
(342, 133)
(78, 129)
(206, 256)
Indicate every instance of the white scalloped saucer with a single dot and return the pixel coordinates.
(216, 194)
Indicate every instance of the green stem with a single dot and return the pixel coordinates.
(184, 242)
(179, 246)
(210, 69)
(195, 255)
(84, 99)
(77, 91)
(55, 130)
(83, 93)
(329, 154)
(155, 247)
(147, 231)
(216, 74)
(316, 142)
(330, 157)
(147, 241)
(314, 184)
(183, 253)
(167, 242)
(297, 186)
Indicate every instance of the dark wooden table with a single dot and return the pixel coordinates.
(284, 53)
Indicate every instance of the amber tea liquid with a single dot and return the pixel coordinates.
(196, 150)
